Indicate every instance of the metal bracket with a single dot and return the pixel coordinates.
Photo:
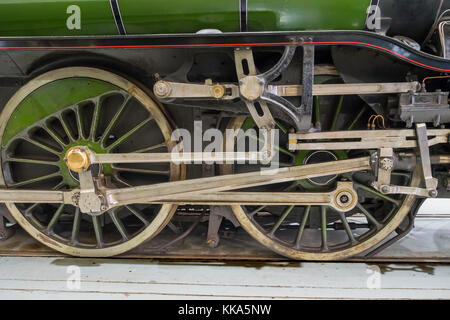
(422, 140)
(305, 110)
(385, 164)
(254, 88)
(430, 182)
(364, 139)
(251, 88)
(90, 201)
(5, 216)
(216, 215)
(444, 35)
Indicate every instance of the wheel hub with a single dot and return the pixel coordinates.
(77, 159)
(346, 199)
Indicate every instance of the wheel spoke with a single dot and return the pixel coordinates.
(283, 217)
(173, 228)
(43, 146)
(28, 211)
(252, 214)
(122, 181)
(55, 218)
(55, 136)
(38, 179)
(281, 164)
(379, 195)
(95, 121)
(281, 127)
(32, 161)
(119, 225)
(275, 147)
(151, 148)
(66, 128)
(144, 171)
(79, 123)
(323, 211)
(76, 226)
(138, 215)
(347, 228)
(98, 230)
(59, 185)
(124, 137)
(337, 113)
(113, 121)
(301, 229)
(369, 216)
(358, 116)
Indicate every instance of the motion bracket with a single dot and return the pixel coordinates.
(431, 183)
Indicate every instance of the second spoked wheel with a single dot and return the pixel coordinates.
(108, 114)
(322, 232)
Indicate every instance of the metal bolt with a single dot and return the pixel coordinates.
(385, 189)
(162, 89)
(76, 198)
(212, 243)
(218, 91)
(266, 155)
(433, 193)
(344, 199)
(77, 159)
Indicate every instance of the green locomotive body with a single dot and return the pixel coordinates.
(50, 18)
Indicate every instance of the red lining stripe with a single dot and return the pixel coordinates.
(163, 46)
(230, 45)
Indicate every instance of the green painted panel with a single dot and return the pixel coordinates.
(179, 16)
(49, 18)
(288, 15)
(51, 98)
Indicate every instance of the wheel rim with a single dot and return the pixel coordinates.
(108, 114)
(319, 232)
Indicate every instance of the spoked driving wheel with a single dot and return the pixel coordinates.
(108, 114)
(323, 232)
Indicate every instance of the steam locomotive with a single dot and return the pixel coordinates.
(115, 118)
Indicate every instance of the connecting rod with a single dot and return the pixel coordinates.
(209, 190)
